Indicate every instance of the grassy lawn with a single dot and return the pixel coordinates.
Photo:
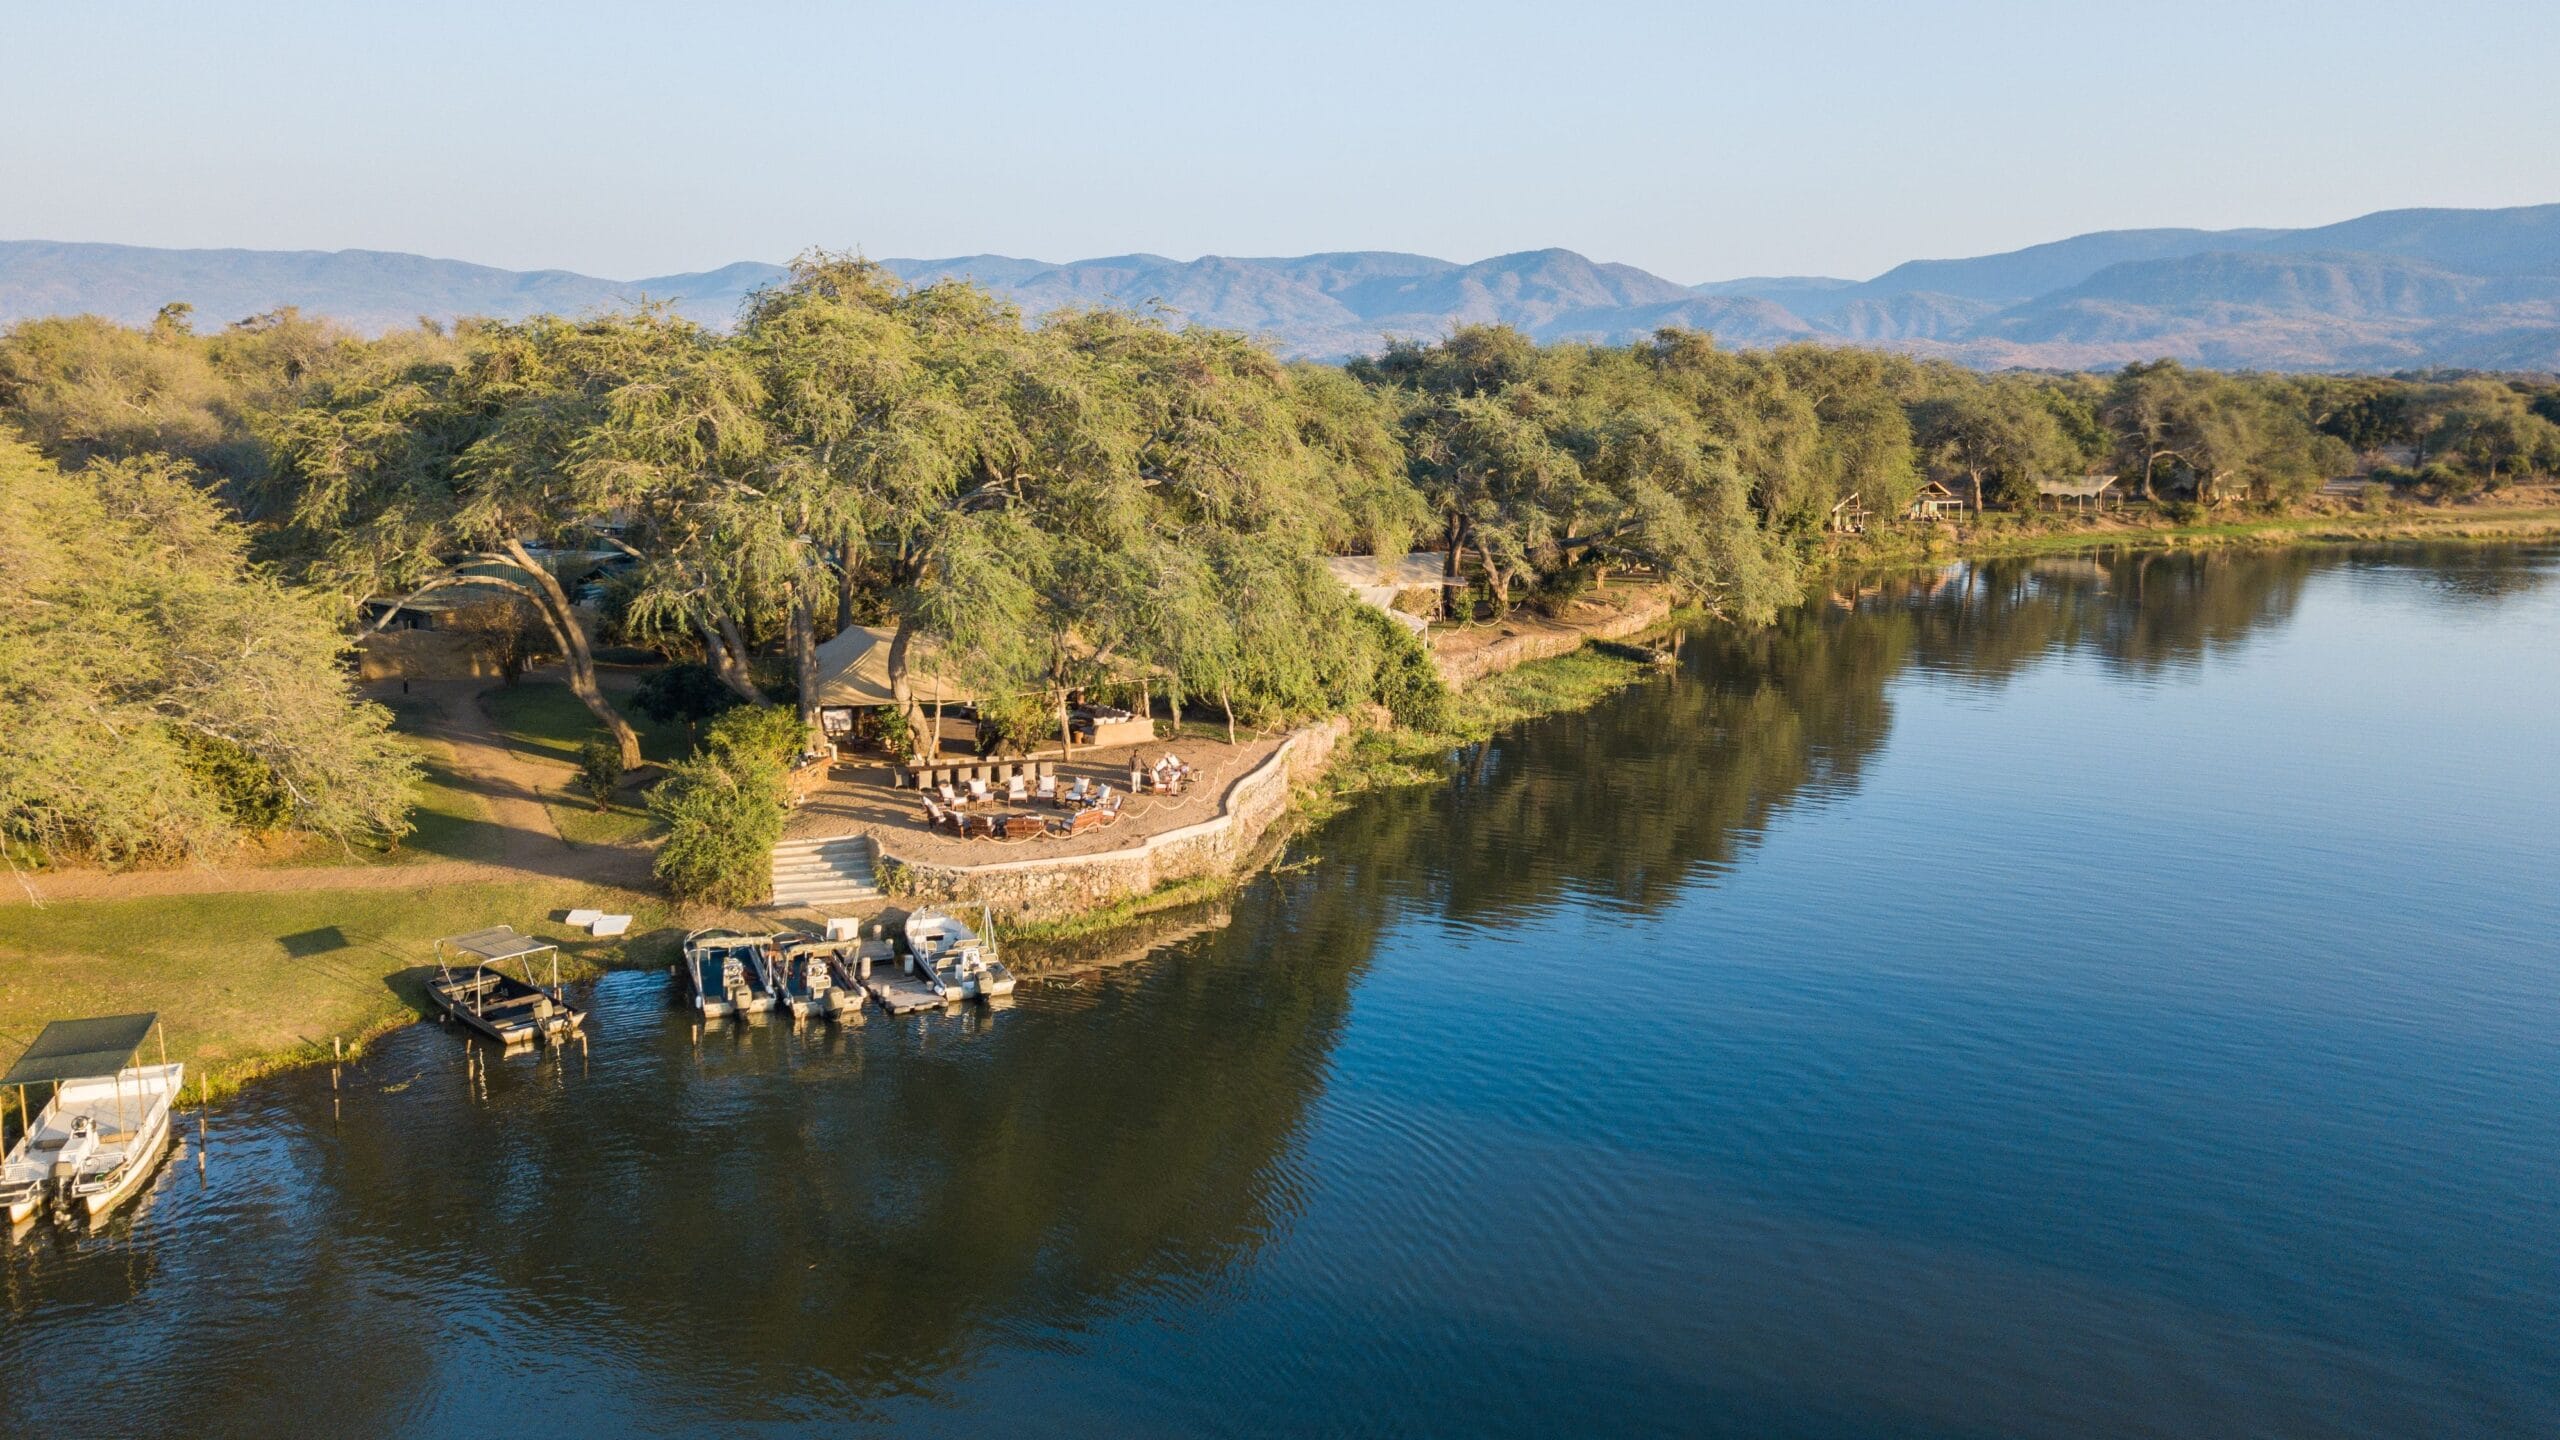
(247, 982)
(543, 718)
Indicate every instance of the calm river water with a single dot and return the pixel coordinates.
(2062, 999)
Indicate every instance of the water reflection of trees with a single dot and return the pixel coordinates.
(1632, 799)
(778, 1222)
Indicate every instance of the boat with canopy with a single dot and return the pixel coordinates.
(729, 972)
(104, 1126)
(469, 986)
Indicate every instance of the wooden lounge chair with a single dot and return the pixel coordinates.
(1014, 790)
(949, 795)
(978, 788)
(1047, 791)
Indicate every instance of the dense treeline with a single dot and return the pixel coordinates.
(1094, 499)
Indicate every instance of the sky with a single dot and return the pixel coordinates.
(1702, 141)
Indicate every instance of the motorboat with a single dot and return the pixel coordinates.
(470, 986)
(821, 976)
(104, 1127)
(730, 972)
(952, 958)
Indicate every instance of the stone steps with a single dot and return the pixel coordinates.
(831, 871)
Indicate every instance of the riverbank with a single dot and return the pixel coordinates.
(2519, 514)
(255, 981)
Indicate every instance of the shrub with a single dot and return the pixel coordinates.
(722, 811)
(1405, 680)
(2448, 482)
(1014, 725)
(685, 694)
(770, 733)
(599, 767)
(239, 783)
(2374, 496)
(890, 727)
(1556, 594)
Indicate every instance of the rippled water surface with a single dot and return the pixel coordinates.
(2062, 999)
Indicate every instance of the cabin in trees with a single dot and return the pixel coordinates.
(2083, 491)
(1848, 516)
(1934, 501)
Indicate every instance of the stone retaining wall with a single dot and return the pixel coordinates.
(1059, 886)
(1460, 671)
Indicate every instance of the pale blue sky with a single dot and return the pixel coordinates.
(1700, 141)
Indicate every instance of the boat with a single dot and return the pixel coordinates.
(470, 987)
(821, 976)
(952, 958)
(730, 972)
(105, 1126)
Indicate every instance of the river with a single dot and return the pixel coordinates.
(2065, 998)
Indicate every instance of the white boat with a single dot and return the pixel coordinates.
(730, 973)
(102, 1130)
(952, 958)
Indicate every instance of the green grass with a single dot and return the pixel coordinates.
(249, 982)
(543, 717)
(2000, 536)
(623, 822)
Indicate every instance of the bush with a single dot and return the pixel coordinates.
(1405, 680)
(686, 694)
(890, 727)
(722, 811)
(2374, 496)
(239, 783)
(1558, 593)
(2448, 482)
(768, 733)
(1014, 725)
(599, 767)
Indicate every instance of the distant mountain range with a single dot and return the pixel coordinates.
(2395, 289)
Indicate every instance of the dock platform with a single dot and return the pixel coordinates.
(900, 993)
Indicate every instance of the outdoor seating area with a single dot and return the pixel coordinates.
(1092, 799)
(1028, 800)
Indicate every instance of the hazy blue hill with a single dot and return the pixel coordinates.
(1913, 315)
(1735, 320)
(2399, 287)
(2038, 269)
(1783, 288)
(2521, 241)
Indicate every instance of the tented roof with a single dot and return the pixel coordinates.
(82, 1049)
(1418, 570)
(853, 669)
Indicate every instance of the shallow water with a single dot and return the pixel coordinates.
(2055, 999)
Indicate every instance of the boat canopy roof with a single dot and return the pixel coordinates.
(498, 942)
(82, 1049)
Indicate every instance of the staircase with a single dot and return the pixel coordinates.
(831, 871)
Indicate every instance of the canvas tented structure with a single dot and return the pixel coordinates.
(853, 671)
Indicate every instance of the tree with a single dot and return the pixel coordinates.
(1997, 434)
(166, 696)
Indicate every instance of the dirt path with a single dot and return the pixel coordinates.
(509, 782)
